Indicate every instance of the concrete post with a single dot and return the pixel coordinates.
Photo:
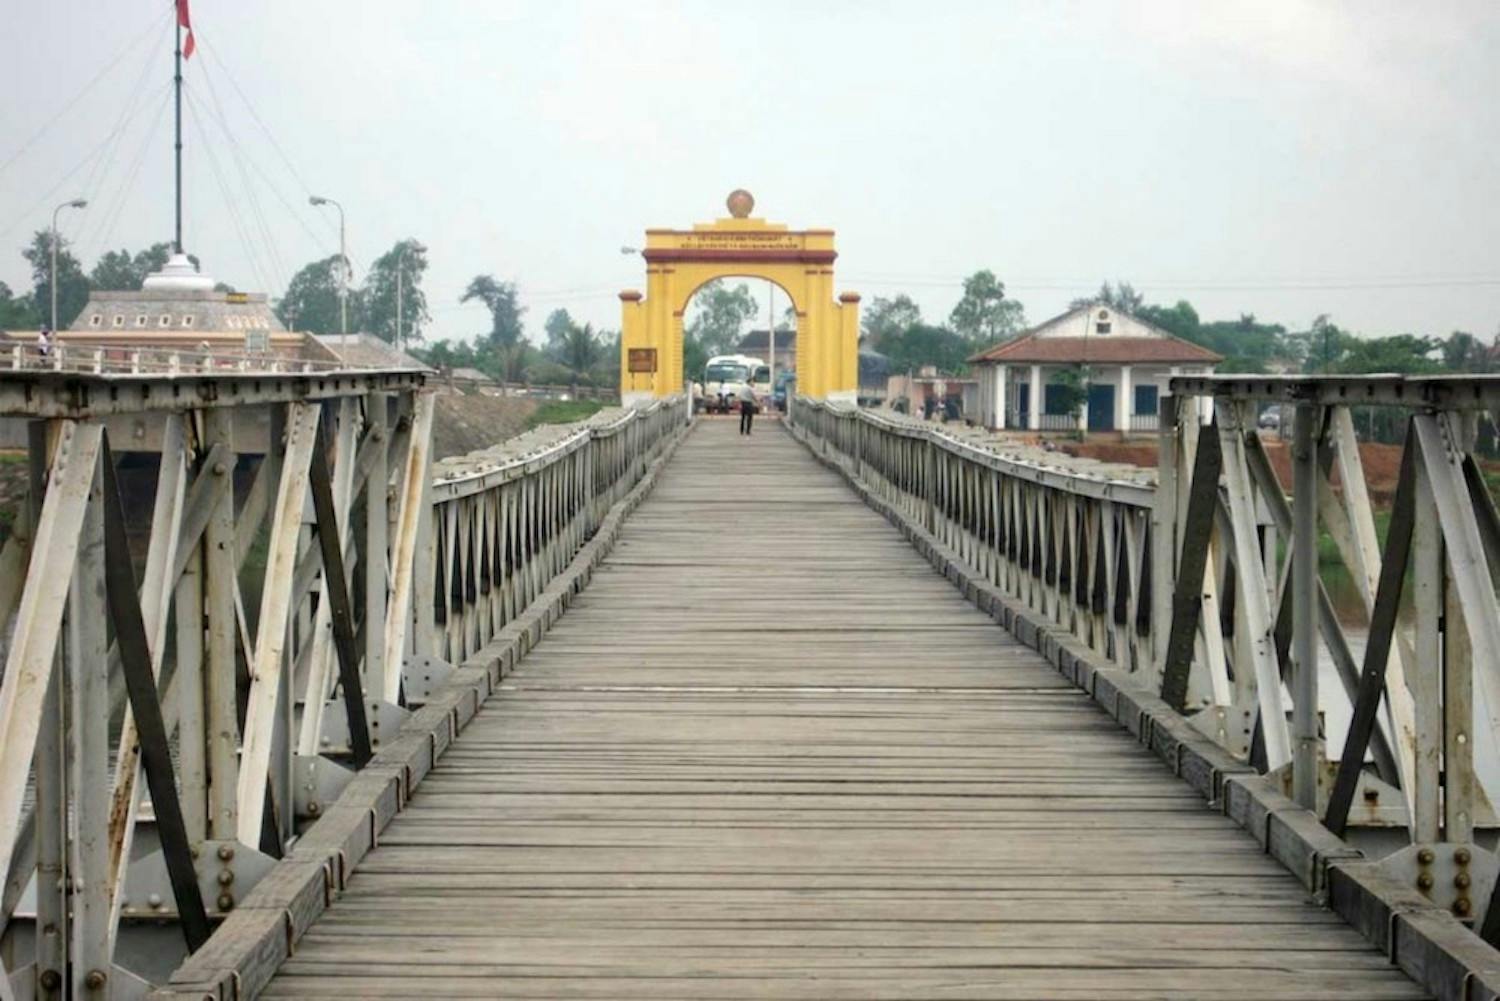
(1001, 375)
(1125, 402)
(1034, 419)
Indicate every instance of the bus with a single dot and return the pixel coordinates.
(723, 378)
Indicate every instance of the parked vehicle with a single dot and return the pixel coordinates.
(786, 386)
(723, 378)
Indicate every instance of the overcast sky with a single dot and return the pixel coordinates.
(1280, 158)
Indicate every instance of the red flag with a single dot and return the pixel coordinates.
(184, 21)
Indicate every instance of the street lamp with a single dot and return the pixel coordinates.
(76, 203)
(343, 267)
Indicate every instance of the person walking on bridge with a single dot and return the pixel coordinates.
(747, 407)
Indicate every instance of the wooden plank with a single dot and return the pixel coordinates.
(768, 753)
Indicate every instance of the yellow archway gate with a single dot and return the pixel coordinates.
(679, 262)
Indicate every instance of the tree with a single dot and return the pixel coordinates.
(1463, 352)
(503, 301)
(1323, 345)
(119, 271)
(694, 355)
(17, 312)
(580, 349)
(984, 315)
(406, 260)
(1121, 296)
(884, 318)
(557, 326)
(72, 283)
(922, 344)
(720, 313)
(311, 302)
(1067, 389)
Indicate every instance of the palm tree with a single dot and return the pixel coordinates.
(580, 349)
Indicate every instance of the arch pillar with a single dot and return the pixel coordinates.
(679, 262)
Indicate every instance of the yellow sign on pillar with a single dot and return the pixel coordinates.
(679, 262)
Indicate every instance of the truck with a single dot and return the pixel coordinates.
(723, 378)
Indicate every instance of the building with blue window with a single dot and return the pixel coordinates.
(1120, 361)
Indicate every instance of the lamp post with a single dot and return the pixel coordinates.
(76, 203)
(343, 267)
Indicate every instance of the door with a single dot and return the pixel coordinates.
(1023, 404)
(1101, 407)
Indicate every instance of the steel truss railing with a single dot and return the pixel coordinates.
(165, 734)
(1207, 587)
(507, 520)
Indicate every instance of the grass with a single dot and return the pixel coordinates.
(563, 412)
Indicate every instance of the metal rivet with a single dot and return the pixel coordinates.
(1425, 856)
(50, 980)
(1424, 881)
(220, 469)
(314, 808)
(226, 852)
(1461, 881)
(1461, 906)
(154, 900)
(94, 980)
(1461, 856)
(226, 901)
(226, 877)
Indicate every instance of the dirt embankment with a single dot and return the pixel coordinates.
(1382, 463)
(464, 422)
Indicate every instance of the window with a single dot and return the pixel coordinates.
(1053, 399)
(96, 320)
(165, 321)
(140, 321)
(187, 321)
(119, 320)
(1102, 327)
(1145, 400)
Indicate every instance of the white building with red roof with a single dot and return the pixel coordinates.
(1125, 364)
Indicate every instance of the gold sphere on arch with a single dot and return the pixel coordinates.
(740, 203)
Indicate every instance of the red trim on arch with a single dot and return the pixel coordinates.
(673, 254)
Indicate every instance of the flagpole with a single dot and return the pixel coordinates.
(177, 79)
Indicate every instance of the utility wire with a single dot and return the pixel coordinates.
(111, 215)
(271, 138)
(234, 214)
(98, 174)
(47, 126)
(278, 270)
(87, 159)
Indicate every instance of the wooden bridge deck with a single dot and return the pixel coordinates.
(770, 754)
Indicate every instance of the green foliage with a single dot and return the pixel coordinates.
(311, 302)
(72, 283)
(1121, 296)
(120, 271)
(694, 356)
(719, 314)
(17, 312)
(922, 344)
(506, 332)
(408, 260)
(543, 371)
(983, 314)
(564, 412)
(1070, 388)
(581, 350)
(1463, 352)
(886, 318)
(558, 323)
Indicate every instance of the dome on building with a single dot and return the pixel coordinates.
(177, 275)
